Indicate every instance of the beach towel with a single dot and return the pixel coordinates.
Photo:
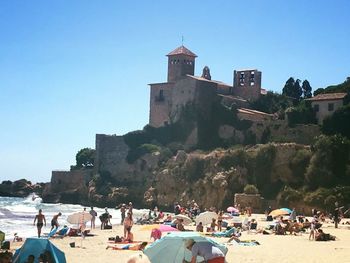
(227, 233)
(52, 232)
(245, 243)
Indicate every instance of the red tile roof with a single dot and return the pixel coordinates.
(328, 96)
(182, 51)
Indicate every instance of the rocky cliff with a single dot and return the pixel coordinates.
(211, 178)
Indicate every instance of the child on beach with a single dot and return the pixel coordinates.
(312, 228)
(213, 225)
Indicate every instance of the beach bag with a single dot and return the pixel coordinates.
(108, 227)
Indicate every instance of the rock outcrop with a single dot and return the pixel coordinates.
(20, 188)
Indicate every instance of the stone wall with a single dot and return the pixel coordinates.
(111, 153)
(256, 202)
(160, 104)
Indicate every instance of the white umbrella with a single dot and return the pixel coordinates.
(186, 219)
(206, 217)
(79, 218)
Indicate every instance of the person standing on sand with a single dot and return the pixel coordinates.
(93, 214)
(128, 223)
(122, 211)
(54, 221)
(130, 208)
(40, 219)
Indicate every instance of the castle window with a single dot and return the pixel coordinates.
(330, 106)
(252, 76)
(160, 96)
(316, 107)
(241, 78)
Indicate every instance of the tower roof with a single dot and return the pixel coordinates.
(182, 50)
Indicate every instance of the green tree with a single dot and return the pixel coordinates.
(293, 89)
(319, 91)
(85, 158)
(306, 89)
(338, 122)
(271, 103)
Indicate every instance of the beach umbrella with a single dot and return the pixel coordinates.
(79, 218)
(286, 209)
(186, 219)
(172, 247)
(162, 228)
(206, 217)
(231, 209)
(278, 212)
(167, 228)
(36, 247)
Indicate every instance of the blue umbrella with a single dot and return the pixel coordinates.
(286, 209)
(172, 247)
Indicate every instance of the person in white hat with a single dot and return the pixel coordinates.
(207, 250)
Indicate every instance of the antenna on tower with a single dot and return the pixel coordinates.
(182, 40)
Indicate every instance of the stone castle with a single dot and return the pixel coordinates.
(167, 100)
(182, 87)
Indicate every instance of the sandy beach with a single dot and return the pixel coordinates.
(283, 249)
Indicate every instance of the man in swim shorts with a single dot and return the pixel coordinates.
(40, 220)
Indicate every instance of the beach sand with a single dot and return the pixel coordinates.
(282, 249)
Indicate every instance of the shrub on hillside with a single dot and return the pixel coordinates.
(338, 122)
(250, 189)
(136, 153)
(301, 114)
(234, 158)
(318, 197)
(194, 169)
(329, 162)
(289, 195)
(298, 165)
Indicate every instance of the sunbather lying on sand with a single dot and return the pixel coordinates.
(140, 246)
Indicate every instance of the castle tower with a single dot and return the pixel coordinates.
(247, 84)
(180, 63)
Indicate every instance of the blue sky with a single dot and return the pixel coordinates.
(70, 69)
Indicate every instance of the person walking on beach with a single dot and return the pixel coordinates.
(40, 220)
(54, 221)
(93, 214)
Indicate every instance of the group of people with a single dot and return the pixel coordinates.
(40, 220)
